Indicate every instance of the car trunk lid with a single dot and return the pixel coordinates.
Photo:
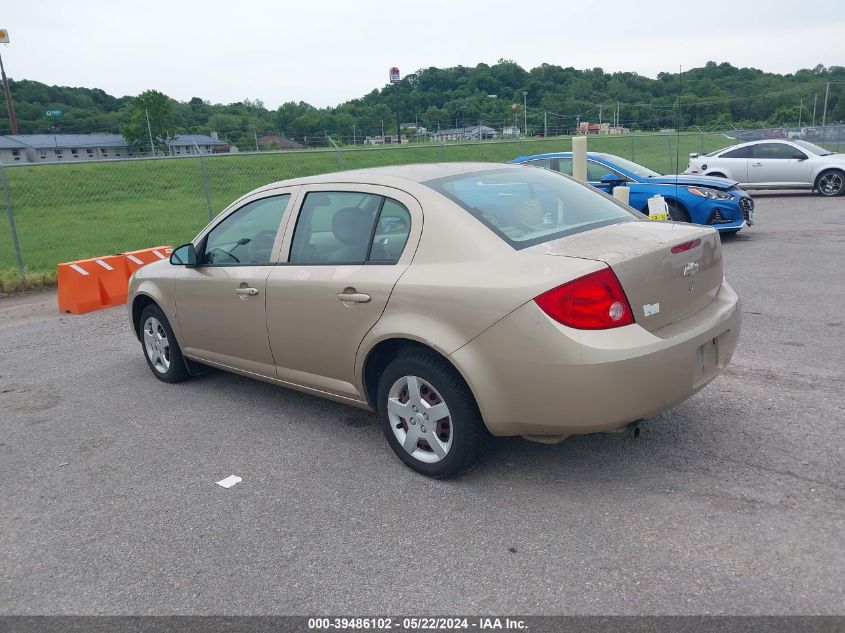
(668, 271)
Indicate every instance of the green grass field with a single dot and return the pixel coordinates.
(66, 212)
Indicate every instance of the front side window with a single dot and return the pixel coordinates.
(530, 206)
(342, 227)
(246, 237)
(597, 171)
(780, 151)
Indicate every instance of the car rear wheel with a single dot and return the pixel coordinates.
(429, 416)
(677, 213)
(831, 183)
(160, 347)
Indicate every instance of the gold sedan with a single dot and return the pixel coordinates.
(457, 300)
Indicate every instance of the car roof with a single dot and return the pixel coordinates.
(604, 155)
(393, 174)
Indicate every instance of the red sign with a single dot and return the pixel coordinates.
(394, 75)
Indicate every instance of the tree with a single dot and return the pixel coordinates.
(159, 108)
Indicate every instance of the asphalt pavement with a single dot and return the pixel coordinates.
(731, 503)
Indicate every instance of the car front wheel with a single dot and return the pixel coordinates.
(831, 183)
(161, 350)
(429, 416)
(677, 213)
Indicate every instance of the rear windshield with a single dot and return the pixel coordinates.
(527, 206)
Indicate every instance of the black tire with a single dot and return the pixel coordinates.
(836, 186)
(469, 436)
(176, 371)
(677, 213)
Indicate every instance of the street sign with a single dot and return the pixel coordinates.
(394, 75)
(54, 113)
(4, 36)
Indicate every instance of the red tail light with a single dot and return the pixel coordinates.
(593, 302)
(686, 246)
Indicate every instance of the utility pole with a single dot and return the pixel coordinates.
(800, 110)
(545, 124)
(255, 134)
(13, 122)
(150, 132)
(815, 99)
(398, 130)
(824, 112)
(525, 111)
(600, 113)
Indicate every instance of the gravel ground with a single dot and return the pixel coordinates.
(732, 503)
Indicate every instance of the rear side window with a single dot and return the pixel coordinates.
(337, 227)
(564, 166)
(740, 152)
(530, 206)
(539, 162)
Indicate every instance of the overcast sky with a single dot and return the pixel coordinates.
(328, 51)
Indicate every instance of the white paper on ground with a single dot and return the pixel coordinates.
(230, 481)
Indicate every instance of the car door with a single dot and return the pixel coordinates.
(220, 303)
(732, 164)
(345, 252)
(778, 164)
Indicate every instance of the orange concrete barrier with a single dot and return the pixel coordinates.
(91, 284)
(102, 282)
(137, 259)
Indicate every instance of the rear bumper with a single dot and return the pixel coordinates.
(533, 376)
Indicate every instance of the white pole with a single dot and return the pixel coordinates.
(579, 158)
(623, 194)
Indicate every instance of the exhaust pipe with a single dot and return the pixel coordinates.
(633, 429)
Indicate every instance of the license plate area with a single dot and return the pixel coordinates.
(707, 361)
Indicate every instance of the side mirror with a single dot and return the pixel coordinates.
(185, 255)
(799, 156)
(612, 180)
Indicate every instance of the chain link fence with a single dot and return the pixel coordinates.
(68, 211)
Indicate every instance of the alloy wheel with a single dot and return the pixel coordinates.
(830, 184)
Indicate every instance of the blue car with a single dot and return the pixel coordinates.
(715, 202)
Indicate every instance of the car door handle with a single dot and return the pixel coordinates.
(355, 297)
(247, 292)
(756, 164)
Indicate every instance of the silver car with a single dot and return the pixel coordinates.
(775, 164)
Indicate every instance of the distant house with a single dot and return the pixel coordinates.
(63, 148)
(274, 141)
(510, 130)
(193, 144)
(384, 140)
(585, 127)
(472, 133)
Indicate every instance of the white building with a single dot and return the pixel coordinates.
(471, 133)
(64, 148)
